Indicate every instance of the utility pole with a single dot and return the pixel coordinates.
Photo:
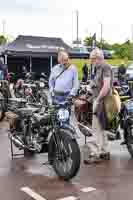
(132, 40)
(101, 42)
(77, 15)
(3, 27)
(72, 27)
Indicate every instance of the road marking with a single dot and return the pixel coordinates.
(36, 196)
(69, 198)
(87, 189)
(31, 193)
(83, 188)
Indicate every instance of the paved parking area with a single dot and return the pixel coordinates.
(27, 179)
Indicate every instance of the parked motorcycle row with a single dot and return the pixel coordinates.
(37, 126)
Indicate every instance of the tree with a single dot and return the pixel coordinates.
(3, 39)
(105, 45)
(88, 41)
(123, 50)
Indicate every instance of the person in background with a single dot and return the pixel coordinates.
(3, 70)
(121, 73)
(24, 71)
(92, 72)
(85, 73)
(101, 87)
(63, 81)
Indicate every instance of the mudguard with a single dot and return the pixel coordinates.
(51, 145)
(71, 130)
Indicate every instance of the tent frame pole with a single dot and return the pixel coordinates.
(30, 63)
(5, 59)
(51, 62)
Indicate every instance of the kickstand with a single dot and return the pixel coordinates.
(46, 163)
(12, 151)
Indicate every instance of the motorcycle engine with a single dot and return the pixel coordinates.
(40, 124)
(16, 123)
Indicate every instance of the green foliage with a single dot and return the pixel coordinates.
(124, 50)
(105, 45)
(88, 41)
(3, 39)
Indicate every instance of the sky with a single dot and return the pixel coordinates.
(57, 18)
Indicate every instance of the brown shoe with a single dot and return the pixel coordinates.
(124, 143)
(105, 156)
(92, 160)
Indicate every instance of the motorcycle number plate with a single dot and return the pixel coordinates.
(41, 84)
(63, 114)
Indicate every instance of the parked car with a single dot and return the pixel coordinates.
(129, 72)
(80, 52)
(107, 54)
(115, 72)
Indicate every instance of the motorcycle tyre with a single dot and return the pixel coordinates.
(128, 141)
(2, 111)
(75, 155)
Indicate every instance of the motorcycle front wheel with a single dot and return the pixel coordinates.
(65, 155)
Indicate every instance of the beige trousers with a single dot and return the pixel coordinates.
(100, 136)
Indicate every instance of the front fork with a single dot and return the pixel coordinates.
(56, 137)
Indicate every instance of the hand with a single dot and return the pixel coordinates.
(89, 90)
(69, 98)
(52, 94)
(95, 106)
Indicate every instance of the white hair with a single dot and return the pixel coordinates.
(63, 54)
(97, 53)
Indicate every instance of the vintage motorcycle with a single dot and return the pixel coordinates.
(49, 132)
(34, 91)
(4, 95)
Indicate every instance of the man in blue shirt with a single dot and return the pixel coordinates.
(63, 81)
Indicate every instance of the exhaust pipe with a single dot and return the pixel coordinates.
(17, 142)
(88, 132)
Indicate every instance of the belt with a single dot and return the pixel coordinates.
(59, 93)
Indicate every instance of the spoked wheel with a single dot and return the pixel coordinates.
(66, 160)
(2, 107)
(129, 139)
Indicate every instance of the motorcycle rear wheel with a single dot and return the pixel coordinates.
(129, 141)
(66, 159)
(2, 108)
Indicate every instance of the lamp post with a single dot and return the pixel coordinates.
(132, 40)
(101, 42)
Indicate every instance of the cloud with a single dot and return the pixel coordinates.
(23, 7)
(58, 18)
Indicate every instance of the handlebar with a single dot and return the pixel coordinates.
(66, 103)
